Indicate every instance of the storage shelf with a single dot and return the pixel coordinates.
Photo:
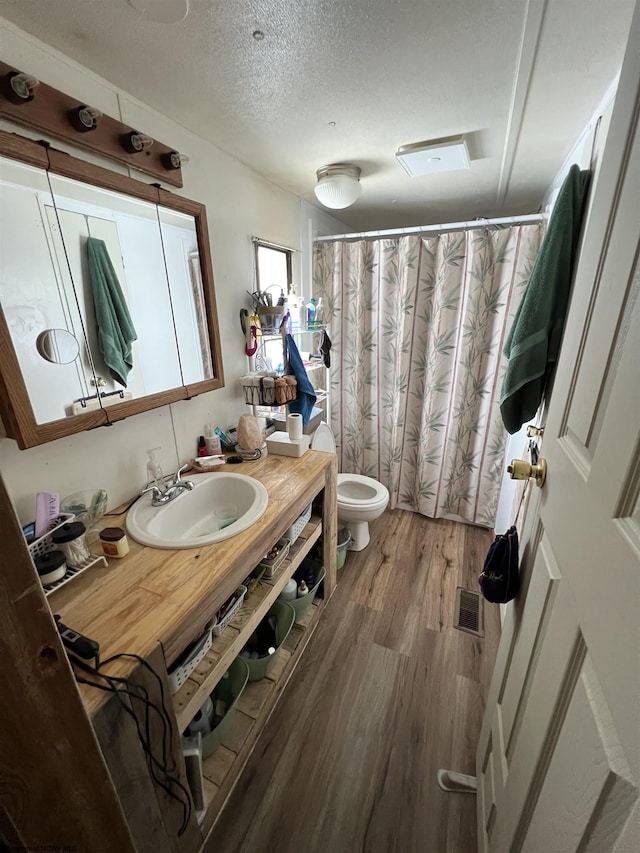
(230, 643)
(222, 770)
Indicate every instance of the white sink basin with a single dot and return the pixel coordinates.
(190, 520)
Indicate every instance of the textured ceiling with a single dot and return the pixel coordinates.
(520, 79)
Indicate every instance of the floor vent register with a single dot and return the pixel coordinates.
(468, 613)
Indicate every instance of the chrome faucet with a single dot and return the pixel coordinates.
(164, 495)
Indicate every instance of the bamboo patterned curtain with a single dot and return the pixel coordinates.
(417, 326)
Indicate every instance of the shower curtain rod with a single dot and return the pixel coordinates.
(434, 229)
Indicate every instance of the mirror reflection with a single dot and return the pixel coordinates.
(57, 346)
(115, 279)
(33, 294)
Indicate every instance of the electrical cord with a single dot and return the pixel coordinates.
(139, 693)
(167, 723)
(122, 511)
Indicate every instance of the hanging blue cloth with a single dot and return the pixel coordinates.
(303, 404)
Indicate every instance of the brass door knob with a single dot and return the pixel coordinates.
(534, 431)
(521, 470)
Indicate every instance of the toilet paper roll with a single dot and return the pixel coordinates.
(294, 427)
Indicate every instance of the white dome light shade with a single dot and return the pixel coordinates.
(338, 185)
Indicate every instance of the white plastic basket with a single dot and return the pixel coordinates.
(271, 566)
(45, 543)
(298, 525)
(219, 627)
(179, 675)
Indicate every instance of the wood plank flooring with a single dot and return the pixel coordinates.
(386, 693)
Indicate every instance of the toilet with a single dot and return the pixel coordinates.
(360, 499)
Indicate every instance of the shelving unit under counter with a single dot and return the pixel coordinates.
(222, 770)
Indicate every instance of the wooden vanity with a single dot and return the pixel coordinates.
(154, 603)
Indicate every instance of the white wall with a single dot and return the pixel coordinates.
(314, 222)
(240, 204)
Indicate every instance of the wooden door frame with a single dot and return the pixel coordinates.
(56, 789)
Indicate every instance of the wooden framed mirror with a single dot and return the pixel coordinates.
(107, 300)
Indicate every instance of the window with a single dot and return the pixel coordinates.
(273, 269)
(273, 276)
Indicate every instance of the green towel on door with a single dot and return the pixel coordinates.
(116, 332)
(534, 341)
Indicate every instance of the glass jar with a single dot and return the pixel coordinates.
(71, 540)
(51, 566)
(114, 542)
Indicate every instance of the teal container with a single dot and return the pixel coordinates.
(285, 617)
(344, 540)
(302, 604)
(239, 675)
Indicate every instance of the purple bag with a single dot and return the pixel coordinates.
(500, 578)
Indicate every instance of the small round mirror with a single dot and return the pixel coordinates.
(57, 346)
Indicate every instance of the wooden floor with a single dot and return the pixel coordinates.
(386, 692)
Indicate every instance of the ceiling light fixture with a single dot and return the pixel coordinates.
(338, 185)
(436, 155)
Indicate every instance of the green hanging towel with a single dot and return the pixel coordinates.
(113, 321)
(534, 341)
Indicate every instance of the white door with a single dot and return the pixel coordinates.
(558, 762)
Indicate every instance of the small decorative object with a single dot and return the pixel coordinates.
(249, 434)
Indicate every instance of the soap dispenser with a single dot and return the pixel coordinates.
(155, 477)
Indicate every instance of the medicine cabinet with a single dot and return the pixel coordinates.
(107, 302)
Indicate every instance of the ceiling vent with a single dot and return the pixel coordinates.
(436, 155)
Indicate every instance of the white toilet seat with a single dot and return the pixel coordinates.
(356, 490)
(360, 499)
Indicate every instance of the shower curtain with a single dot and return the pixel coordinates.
(417, 326)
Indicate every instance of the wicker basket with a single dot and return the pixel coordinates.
(298, 525)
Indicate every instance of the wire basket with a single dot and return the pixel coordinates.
(45, 544)
(219, 627)
(298, 525)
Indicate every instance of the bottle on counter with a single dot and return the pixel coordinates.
(212, 441)
(311, 313)
(155, 477)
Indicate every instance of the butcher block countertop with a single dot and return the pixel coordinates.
(167, 597)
